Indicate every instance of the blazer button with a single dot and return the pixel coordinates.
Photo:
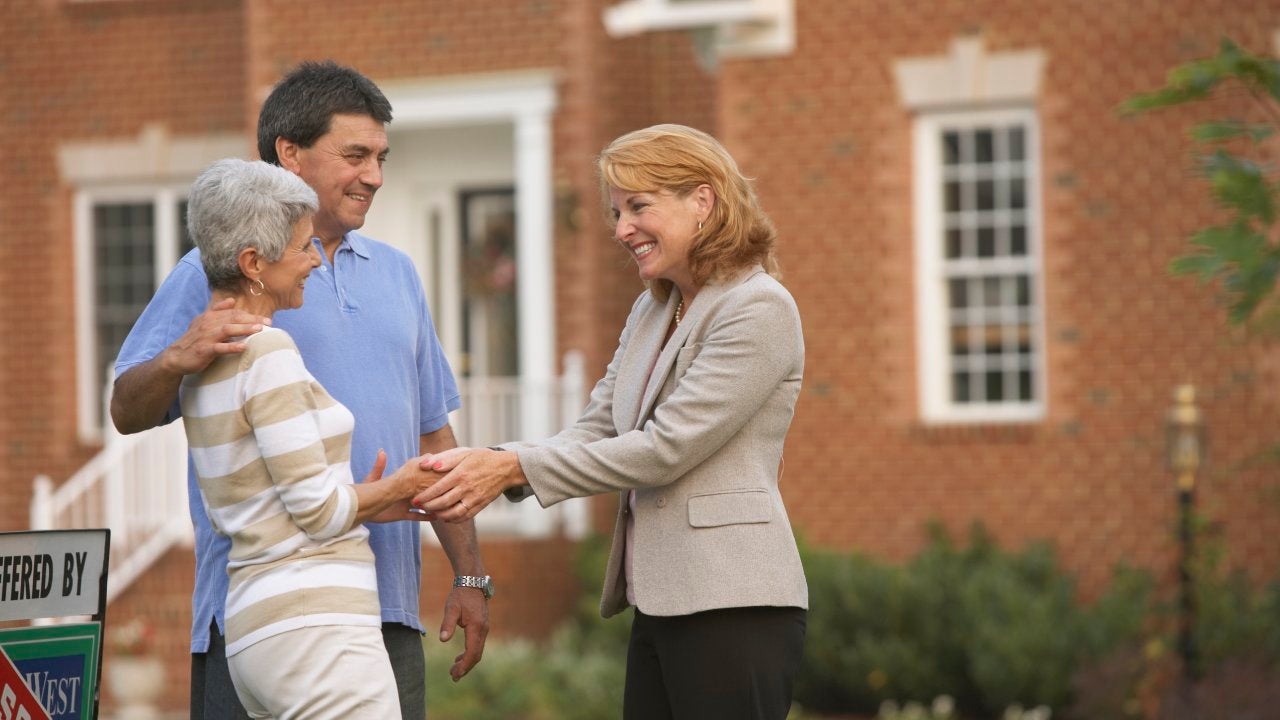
(662, 502)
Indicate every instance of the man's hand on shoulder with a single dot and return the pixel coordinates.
(208, 337)
(144, 393)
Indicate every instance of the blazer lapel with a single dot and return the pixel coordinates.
(665, 359)
(693, 314)
(633, 368)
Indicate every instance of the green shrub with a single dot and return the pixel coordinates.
(1232, 618)
(984, 626)
(581, 675)
(990, 628)
(519, 680)
(501, 687)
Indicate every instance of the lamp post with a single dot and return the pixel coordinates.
(1186, 455)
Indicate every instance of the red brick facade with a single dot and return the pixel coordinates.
(825, 131)
(1121, 333)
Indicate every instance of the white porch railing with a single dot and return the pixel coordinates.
(136, 485)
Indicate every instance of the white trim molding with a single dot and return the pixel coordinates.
(153, 156)
(969, 76)
(741, 28)
(469, 99)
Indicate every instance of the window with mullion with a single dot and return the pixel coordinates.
(124, 271)
(980, 222)
(131, 247)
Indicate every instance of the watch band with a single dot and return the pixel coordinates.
(483, 583)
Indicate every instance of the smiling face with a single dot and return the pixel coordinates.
(283, 280)
(344, 167)
(658, 229)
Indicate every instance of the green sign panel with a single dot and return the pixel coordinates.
(58, 664)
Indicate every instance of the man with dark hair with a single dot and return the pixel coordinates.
(364, 332)
(300, 106)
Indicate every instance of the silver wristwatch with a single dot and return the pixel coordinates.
(484, 584)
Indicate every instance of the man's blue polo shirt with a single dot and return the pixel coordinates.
(366, 334)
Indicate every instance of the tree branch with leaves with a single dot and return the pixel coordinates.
(1243, 252)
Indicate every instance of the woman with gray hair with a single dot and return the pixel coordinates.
(272, 452)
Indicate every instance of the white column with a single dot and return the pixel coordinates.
(535, 297)
(87, 371)
(166, 241)
(534, 294)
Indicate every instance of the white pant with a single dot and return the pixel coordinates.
(327, 671)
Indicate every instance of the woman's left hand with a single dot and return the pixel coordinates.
(476, 477)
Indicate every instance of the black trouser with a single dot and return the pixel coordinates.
(213, 697)
(731, 664)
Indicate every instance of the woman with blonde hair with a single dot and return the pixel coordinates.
(688, 427)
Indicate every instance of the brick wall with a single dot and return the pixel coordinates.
(74, 71)
(825, 132)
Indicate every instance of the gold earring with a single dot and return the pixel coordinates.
(261, 289)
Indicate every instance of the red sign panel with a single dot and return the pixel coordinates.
(16, 700)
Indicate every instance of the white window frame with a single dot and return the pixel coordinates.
(91, 384)
(151, 166)
(933, 328)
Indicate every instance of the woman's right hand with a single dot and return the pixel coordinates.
(473, 478)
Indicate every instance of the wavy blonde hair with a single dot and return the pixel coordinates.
(678, 159)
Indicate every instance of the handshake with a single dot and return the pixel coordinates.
(453, 485)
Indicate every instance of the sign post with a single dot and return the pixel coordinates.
(51, 672)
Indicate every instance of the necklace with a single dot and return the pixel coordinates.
(679, 311)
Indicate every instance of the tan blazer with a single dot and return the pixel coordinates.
(700, 440)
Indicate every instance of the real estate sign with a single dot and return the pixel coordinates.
(50, 671)
(54, 573)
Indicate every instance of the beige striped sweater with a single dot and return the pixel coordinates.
(272, 452)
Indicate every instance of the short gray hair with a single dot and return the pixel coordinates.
(238, 204)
